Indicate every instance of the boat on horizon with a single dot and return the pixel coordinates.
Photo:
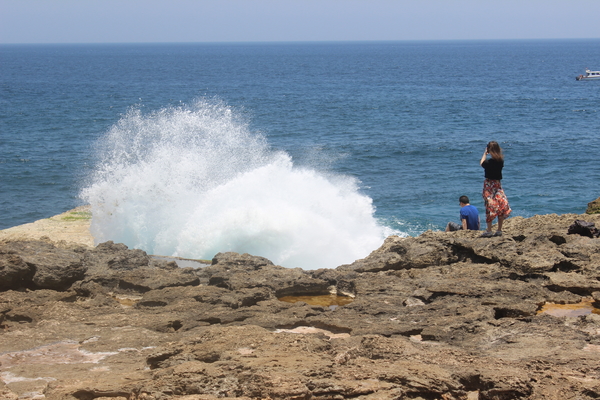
(589, 75)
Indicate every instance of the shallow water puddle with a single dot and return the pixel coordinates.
(57, 353)
(303, 330)
(125, 300)
(9, 378)
(184, 262)
(326, 300)
(585, 307)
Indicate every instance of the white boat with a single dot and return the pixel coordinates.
(589, 75)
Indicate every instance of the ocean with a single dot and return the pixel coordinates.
(309, 154)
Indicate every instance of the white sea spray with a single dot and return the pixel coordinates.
(192, 181)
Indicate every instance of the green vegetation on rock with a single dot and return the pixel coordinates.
(77, 216)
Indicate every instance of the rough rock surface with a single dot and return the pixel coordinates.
(593, 207)
(443, 316)
(67, 229)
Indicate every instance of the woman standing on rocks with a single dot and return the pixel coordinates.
(496, 203)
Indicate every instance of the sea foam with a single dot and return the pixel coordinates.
(192, 181)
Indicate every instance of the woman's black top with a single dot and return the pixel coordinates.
(493, 168)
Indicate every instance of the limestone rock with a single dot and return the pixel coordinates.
(14, 272)
(41, 265)
(593, 207)
(440, 316)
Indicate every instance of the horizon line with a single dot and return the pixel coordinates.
(298, 41)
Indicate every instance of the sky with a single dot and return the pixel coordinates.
(158, 21)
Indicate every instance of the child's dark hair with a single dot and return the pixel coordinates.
(464, 199)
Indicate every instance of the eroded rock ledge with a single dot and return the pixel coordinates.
(439, 316)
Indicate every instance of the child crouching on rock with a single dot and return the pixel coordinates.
(469, 217)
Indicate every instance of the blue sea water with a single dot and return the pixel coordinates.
(275, 148)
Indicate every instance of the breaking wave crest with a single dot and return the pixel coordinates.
(192, 181)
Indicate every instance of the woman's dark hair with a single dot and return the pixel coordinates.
(495, 151)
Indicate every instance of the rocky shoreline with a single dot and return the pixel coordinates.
(443, 316)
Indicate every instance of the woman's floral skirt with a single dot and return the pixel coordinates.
(496, 203)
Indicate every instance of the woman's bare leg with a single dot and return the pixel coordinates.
(500, 221)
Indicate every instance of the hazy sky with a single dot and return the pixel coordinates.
(104, 21)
